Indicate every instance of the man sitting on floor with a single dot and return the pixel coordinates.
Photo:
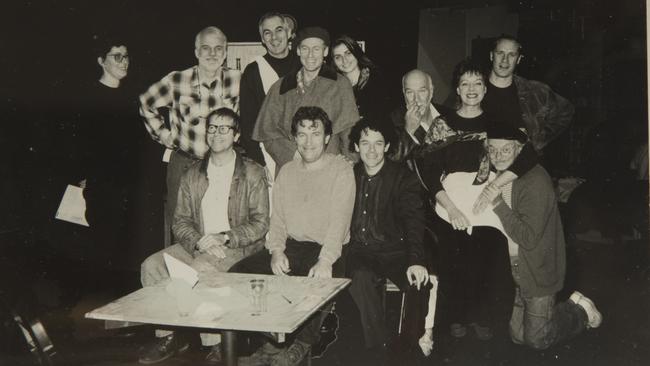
(528, 211)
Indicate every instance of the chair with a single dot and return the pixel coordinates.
(389, 286)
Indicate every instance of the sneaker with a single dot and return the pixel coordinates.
(292, 356)
(457, 330)
(483, 333)
(595, 318)
(426, 342)
(162, 349)
(261, 357)
(575, 297)
(214, 356)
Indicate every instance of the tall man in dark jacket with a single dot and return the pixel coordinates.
(387, 231)
(222, 216)
(527, 208)
(523, 103)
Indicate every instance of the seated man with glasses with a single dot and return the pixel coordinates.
(221, 217)
(527, 208)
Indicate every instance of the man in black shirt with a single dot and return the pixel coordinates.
(387, 232)
(527, 104)
(276, 30)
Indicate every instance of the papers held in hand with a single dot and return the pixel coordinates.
(73, 206)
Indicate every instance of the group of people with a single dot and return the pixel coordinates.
(297, 167)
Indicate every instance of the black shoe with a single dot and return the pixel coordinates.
(162, 349)
(262, 357)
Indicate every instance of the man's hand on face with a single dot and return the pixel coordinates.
(320, 270)
(412, 118)
(417, 275)
(279, 263)
(212, 244)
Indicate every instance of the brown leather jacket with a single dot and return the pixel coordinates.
(248, 207)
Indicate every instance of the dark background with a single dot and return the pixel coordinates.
(45, 56)
(592, 52)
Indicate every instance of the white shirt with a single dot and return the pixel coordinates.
(214, 205)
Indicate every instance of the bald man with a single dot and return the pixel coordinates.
(416, 116)
(189, 96)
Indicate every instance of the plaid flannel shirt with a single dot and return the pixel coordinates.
(189, 104)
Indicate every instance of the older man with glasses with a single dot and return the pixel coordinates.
(189, 96)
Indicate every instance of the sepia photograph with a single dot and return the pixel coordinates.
(327, 183)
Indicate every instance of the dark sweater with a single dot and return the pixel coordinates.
(110, 134)
(460, 156)
(534, 223)
(372, 99)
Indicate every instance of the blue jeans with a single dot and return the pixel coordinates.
(539, 322)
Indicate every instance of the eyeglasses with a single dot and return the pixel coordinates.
(222, 129)
(506, 150)
(119, 57)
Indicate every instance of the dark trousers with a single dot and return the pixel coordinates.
(108, 212)
(475, 275)
(369, 267)
(302, 256)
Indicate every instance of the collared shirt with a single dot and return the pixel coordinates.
(419, 134)
(189, 101)
(388, 211)
(214, 205)
(366, 227)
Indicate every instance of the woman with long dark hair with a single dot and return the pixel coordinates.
(351, 61)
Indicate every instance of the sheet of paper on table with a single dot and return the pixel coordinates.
(181, 271)
(73, 206)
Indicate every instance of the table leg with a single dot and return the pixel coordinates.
(228, 347)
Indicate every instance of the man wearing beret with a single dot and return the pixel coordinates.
(527, 208)
(314, 84)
